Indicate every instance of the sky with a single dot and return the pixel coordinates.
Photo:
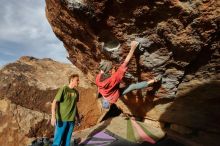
(25, 31)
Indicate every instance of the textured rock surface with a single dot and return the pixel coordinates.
(16, 121)
(179, 37)
(27, 88)
(180, 40)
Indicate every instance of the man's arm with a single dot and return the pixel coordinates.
(134, 45)
(53, 112)
(119, 74)
(77, 117)
(77, 113)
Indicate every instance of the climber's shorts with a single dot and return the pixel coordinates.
(105, 103)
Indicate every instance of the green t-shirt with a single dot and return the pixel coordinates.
(67, 99)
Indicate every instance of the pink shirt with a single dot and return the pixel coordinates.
(109, 88)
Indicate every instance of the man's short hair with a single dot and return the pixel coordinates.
(105, 66)
(73, 76)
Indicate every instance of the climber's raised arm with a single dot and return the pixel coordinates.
(134, 45)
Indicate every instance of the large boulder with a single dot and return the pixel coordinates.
(180, 40)
(16, 122)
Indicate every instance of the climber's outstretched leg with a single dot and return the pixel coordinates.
(140, 85)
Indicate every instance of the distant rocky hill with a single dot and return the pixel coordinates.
(27, 88)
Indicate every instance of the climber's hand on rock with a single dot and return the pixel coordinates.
(53, 121)
(134, 44)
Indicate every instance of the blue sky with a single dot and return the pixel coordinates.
(25, 31)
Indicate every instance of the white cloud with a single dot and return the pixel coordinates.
(24, 30)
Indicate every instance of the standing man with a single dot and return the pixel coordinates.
(64, 112)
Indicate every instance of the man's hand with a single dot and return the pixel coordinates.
(53, 121)
(77, 121)
(134, 44)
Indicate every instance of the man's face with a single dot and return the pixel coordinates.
(74, 82)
